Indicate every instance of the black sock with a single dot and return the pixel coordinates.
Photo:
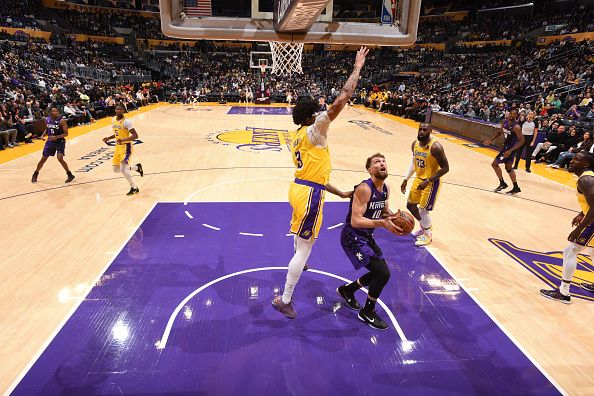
(68, 173)
(516, 185)
(351, 288)
(501, 181)
(369, 305)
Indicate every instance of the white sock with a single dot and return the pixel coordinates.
(134, 168)
(125, 168)
(569, 265)
(302, 252)
(425, 221)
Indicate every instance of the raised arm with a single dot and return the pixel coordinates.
(349, 87)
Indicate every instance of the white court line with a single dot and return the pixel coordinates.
(250, 234)
(179, 236)
(512, 338)
(190, 215)
(211, 227)
(74, 308)
(290, 234)
(335, 226)
(162, 343)
(111, 253)
(231, 182)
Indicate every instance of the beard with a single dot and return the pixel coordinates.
(423, 139)
(381, 175)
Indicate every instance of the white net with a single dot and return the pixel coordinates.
(286, 58)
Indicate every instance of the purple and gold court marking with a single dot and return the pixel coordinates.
(184, 309)
(260, 110)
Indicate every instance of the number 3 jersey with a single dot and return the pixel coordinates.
(310, 152)
(375, 207)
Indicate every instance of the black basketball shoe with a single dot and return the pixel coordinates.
(70, 177)
(34, 177)
(502, 186)
(133, 191)
(514, 191)
(348, 297)
(556, 295)
(372, 320)
(140, 170)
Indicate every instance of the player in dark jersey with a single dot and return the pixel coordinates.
(368, 210)
(56, 131)
(514, 139)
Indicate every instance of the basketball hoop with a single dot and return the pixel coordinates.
(286, 58)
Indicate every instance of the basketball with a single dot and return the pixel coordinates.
(404, 220)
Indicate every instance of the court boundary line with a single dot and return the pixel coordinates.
(46, 344)
(498, 323)
(162, 343)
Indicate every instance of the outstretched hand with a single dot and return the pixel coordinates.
(361, 54)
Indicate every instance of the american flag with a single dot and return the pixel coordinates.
(194, 8)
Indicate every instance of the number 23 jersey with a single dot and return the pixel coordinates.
(426, 164)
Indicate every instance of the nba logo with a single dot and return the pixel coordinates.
(388, 8)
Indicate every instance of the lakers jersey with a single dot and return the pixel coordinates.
(312, 162)
(119, 129)
(580, 196)
(425, 163)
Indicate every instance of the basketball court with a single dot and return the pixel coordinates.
(169, 291)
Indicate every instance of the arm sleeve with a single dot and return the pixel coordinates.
(318, 132)
(128, 124)
(411, 170)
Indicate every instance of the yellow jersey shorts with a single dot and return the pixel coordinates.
(122, 153)
(307, 200)
(426, 198)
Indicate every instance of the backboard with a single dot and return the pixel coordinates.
(387, 23)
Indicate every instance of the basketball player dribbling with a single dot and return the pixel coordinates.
(125, 134)
(311, 157)
(582, 236)
(56, 130)
(429, 163)
(368, 210)
(514, 139)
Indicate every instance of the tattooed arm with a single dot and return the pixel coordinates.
(349, 86)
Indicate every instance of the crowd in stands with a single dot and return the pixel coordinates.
(551, 83)
(34, 78)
